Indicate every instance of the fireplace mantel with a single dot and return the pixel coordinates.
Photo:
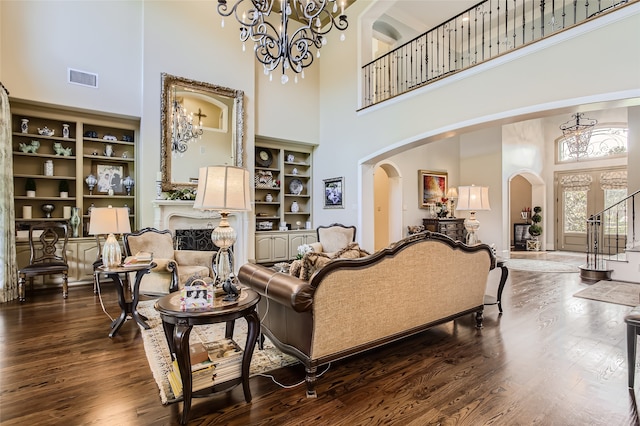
(180, 214)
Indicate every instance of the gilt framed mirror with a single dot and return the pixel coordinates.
(202, 125)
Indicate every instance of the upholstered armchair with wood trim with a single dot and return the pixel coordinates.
(333, 238)
(174, 268)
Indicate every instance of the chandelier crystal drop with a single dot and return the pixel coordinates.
(286, 46)
(182, 129)
(577, 135)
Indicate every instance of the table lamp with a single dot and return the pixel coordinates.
(224, 189)
(473, 198)
(452, 195)
(110, 220)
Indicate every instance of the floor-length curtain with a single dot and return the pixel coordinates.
(8, 264)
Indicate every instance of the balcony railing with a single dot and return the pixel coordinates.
(607, 234)
(481, 33)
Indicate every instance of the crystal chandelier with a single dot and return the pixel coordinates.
(577, 135)
(182, 129)
(275, 47)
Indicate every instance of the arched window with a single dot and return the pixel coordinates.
(606, 141)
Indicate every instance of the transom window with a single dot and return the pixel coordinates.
(605, 142)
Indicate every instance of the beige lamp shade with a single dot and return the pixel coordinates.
(473, 198)
(223, 188)
(109, 220)
(452, 193)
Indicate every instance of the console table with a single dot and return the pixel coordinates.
(497, 300)
(451, 227)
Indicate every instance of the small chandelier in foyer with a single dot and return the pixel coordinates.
(288, 46)
(182, 128)
(577, 135)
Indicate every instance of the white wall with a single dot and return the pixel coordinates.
(41, 39)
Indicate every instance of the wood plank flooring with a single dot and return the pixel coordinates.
(550, 359)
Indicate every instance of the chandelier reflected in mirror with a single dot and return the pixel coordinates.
(289, 47)
(577, 135)
(183, 130)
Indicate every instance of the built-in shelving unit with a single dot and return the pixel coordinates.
(283, 199)
(71, 145)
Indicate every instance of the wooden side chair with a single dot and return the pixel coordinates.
(48, 254)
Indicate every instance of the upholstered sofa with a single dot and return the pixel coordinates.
(352, 305)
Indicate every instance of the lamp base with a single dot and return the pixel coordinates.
(471, 224)
(111, 253)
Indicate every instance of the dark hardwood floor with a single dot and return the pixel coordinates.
(550, 359)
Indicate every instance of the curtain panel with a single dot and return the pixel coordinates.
(8, 264)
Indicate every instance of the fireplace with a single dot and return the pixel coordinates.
(185, 222)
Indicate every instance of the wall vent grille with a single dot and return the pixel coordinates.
(83, 78)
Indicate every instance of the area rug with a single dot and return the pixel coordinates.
(618, 292)
(157, 351)
(532, 265)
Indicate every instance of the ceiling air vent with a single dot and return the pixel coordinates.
(83, 78)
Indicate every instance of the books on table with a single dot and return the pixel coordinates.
(139, 259)
(223, 363)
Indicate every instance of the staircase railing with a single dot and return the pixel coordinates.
(608, 231)
(483, 32)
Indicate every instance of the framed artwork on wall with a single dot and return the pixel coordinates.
(432, 187)
(110, 177)
(334, 193)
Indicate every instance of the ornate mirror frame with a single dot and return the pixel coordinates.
(166, 157)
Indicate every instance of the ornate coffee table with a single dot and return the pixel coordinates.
(177, 327)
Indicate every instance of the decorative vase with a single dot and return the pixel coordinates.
(268, 198)
(48, 168)
(74, 221)
(295, 208)
(65, 130)
(108, 150)
(47, 209)
(24, 125)
(91, 182)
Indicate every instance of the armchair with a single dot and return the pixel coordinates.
(174, 266)
(333, 238)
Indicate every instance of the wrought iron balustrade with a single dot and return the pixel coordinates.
(483, 32)
(608, 234)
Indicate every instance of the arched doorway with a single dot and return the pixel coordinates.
(526, 190)
(387, 196)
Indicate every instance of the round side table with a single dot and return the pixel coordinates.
(177, 326)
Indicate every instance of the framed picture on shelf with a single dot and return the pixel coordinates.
(110, 177)
(334, 193)
(432, 187)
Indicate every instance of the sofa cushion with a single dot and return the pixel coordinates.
(312, 262)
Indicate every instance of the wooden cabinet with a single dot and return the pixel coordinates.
(272, 247)
(283, 194)
(298, 238)
(451, 227)
(57, 147)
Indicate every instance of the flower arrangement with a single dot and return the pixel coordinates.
(181, 194)
(303, 249)
(442, 204)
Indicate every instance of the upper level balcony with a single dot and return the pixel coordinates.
(481, 33)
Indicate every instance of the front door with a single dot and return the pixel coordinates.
(582, 193)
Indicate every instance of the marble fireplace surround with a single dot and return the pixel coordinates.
(180, 214)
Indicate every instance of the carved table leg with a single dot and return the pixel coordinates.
(122, 302)
(253, 323)
(479, 318)
(311, 381)
(181, 344)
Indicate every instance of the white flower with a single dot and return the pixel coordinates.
(304, 249)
